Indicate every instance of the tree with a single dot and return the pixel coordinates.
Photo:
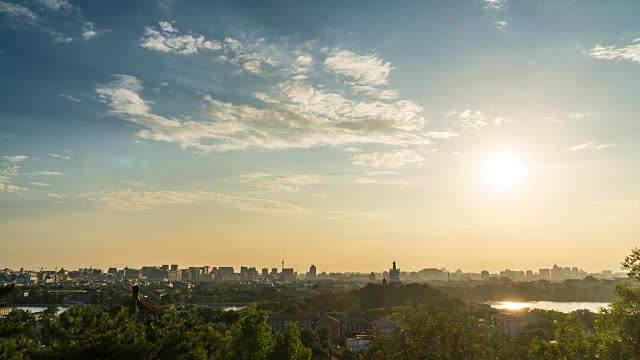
(289, 346)
(250, 337)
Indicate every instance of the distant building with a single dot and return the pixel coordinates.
(372, 277)
(174, 267)
(312, 272)
(265, 272)
(394, 275)
(384, 326)
(484, 275)
(508, 323)
(225, 273)
(278, 321)
(360, 343)
(545, 274)
(288, 274)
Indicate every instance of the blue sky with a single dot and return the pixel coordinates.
(256, 130)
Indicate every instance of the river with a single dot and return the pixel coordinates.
(565, 307)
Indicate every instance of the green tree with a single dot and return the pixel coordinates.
(289, 346)
(250, 337)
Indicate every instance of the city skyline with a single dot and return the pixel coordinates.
(485, 134)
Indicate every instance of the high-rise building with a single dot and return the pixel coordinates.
(174, 267)
(165, 267)
(288, 274)
(372, 277)
(312, 272)
(394, 275)
(484, 275)
(265, 272)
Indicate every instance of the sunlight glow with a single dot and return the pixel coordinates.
(503, 171)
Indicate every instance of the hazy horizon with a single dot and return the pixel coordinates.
(484, 134)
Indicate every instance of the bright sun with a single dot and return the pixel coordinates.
(503, 171)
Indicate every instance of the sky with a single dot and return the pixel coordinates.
(481, 134)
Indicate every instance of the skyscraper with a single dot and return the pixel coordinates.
(312, 272)
(394, 275)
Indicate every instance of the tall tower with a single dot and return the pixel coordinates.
(283, 263)
(394, 275)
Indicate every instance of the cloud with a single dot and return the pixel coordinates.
(297, 115)
(6, 136)
(145, 200)
(383, 94)
(24, 17)
(495, 4)
(363, 69)
(58, 156)
(18, 12)
(629, 52)
(501, 121)
(69, 97)
(304, 60)
(473, 119)
(5, 187)
(57, 198)
(48, 173)
(354, 215)
(390, 159)
(368, 180)
(579, 116)
(247, 58)
(281, 182)
(89, 31)
(16, 158)
(165, 39)
(501, 24)
(39, 184)
(447, 134)
(591, 145)
(59, 6)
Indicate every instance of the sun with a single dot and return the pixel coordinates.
(503, 171)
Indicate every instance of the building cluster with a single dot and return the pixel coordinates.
(353, 332)
(173, 273)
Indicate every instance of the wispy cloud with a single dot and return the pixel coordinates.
(495, 4)
(35, 183)
(363, 69)
(18, 12)
(89, 31)
(145, 200)
(24, 17)
(446, 134)
(48, 173)
(354, 215)
(281, 182)
(16, 158)
(5, 187)
(591, 145)
(390, 159)
(369, 180)
(630, 51)
(297, 115)
(59, 156)
(70, 98)
(469, 119)
(6, 136)
(166, 39)
(58, 6)
(501, 24)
